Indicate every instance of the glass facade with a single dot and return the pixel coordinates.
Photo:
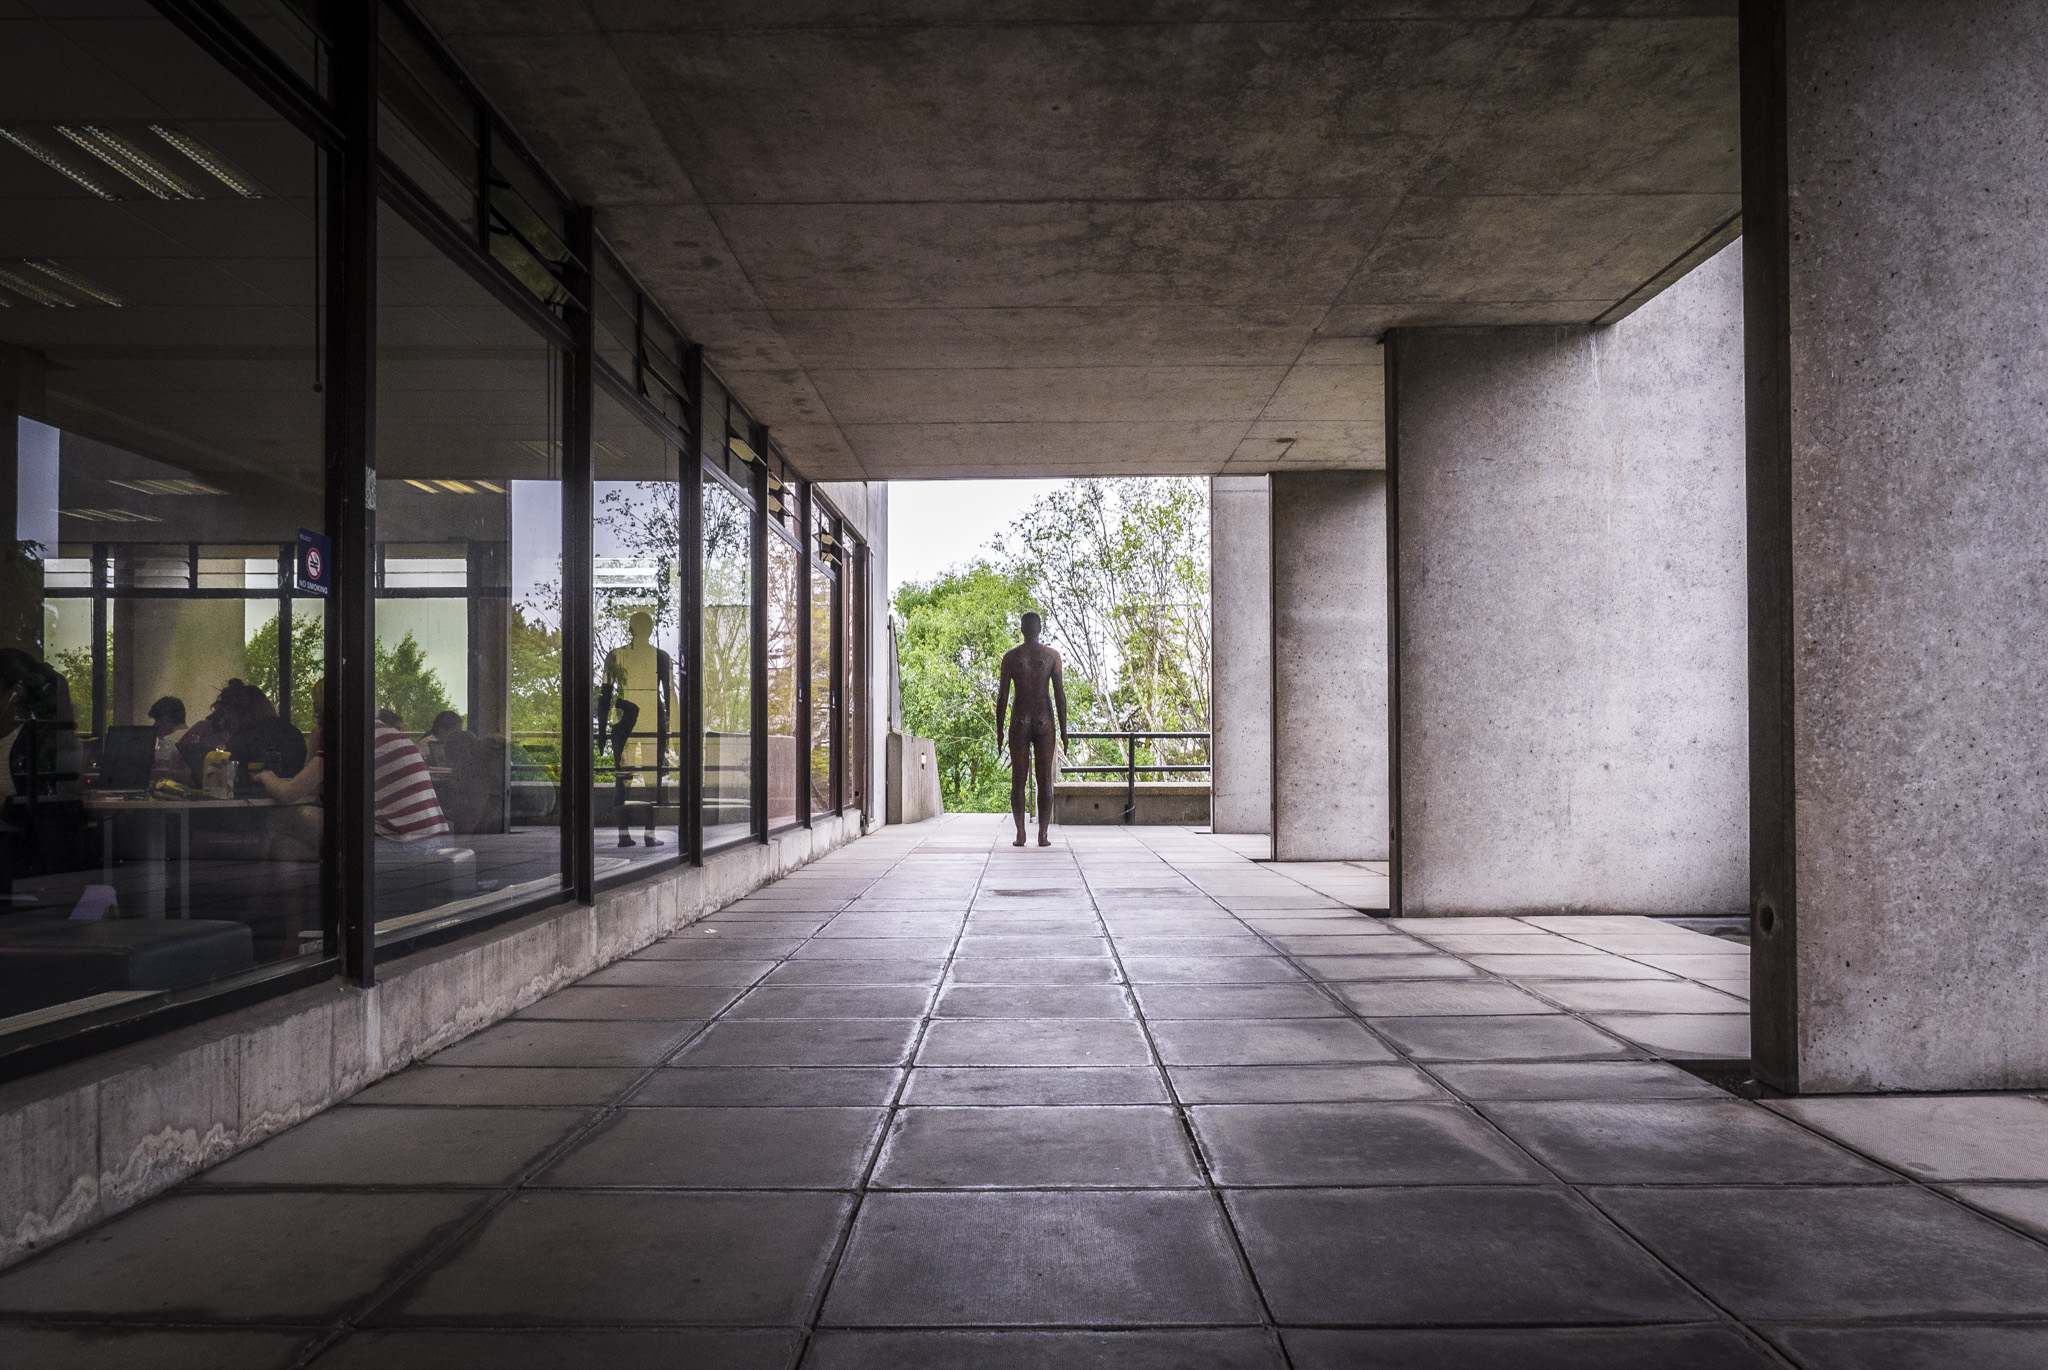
(162, 423)
(467, 809)
(385, 562)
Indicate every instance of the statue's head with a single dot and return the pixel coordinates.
(640, 625)
(1031, 627)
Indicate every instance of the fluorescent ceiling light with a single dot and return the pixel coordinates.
(166, 487)
(109, 516)
(53, 286)
(422, 485)
(163, 161)
(492, 486)
(128, 157)
(209, 161)
(57, 161)
(455, 487)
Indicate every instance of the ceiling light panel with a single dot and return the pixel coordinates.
(166, 487)
(53, 285)
(156, 161)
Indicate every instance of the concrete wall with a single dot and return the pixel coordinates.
(83, 1142)
(1241, 654)
(1900, 608)
(1330, 799)
(1571, 646)
(913, 781)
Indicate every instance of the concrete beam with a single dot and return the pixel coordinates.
(1893, 156)
(1570, 648)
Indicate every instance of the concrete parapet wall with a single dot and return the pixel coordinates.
(913, 779)
(1159, 803)
(83, 1142)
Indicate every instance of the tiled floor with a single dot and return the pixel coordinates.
(1136, 1101)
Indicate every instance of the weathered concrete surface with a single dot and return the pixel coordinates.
(913, 788)
(83, 1142)
(1159, 803)
(1038, 239)
(1902, 805)
(1241, 654)
(1571, 655)
(1329, 744)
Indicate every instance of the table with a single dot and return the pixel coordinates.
(156, 814)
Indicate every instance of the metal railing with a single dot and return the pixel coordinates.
(1129, 770)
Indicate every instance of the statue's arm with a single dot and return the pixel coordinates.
(1002, 700)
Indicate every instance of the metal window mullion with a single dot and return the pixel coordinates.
(691, 712)
(803, 651)
(578, 613)
(757, 761)
(347, 847)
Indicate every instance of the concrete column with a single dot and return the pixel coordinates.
(1894, 156)
(1570, 658)
(1240, 655)
(1330, 666)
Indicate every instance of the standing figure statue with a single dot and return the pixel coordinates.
(637, 680)
(1031, 668)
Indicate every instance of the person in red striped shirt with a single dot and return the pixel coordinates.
(406, 807)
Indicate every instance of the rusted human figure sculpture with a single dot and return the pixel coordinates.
(1031, 668)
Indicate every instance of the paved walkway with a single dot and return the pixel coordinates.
(1136, 1102)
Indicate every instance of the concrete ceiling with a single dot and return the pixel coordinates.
(939, 238)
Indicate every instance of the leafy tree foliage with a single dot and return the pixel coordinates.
(259, 664)
(949, 649)
(1120, 571)
(405, 683)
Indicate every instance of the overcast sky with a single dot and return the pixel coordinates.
(935, 525)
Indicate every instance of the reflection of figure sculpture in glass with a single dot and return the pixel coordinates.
(637, 681)
(1034, 669)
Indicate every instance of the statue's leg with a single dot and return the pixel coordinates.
(619, 792)
(1020, 767)
(1042, 746)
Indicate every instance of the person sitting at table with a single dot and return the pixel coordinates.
(42, 815)
(168, 714)
(254, 734)
(295, 827)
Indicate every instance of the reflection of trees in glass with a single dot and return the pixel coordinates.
(405, 683)
(309, 663)
(821, 690)
(75, 665)
(728, 592)
(782, 564)
(645, 525)
(534, 711)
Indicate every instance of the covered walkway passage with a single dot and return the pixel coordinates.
(1137, 1101)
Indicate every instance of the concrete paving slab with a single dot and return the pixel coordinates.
(1678, 1141)
(1938, 1137)
(1379, 1143)
(722, 1148)
(1450, 1257)
(1023, 1259)
(1036, 1147)
(1852, 1252)
(767, 1087)
(1035, 1085)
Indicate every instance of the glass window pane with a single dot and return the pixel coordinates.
(161, 440)
(529, 228)
(853, 636)
(638, 628)
(782, 681)
(469, 600)
(824, 700)
(426, 124)
(614, 315)
(728, 665)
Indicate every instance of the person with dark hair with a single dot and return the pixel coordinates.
(168, 714)
(42, 816)
(245, 725)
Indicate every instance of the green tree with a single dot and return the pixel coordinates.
(405, 683)
(260, 660)
(1122, 570)
(954, 631)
